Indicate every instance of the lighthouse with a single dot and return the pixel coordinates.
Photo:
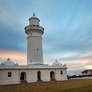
(34, 41)
(35, 70)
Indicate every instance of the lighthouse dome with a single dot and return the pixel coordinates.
(57, 63)
(34, 20)
(8, 62)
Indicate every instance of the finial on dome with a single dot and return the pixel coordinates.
(8, 59)
(33, 14)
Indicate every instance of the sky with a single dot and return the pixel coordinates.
(67, 31)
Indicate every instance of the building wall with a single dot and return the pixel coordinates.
(31, 76)
(45, 75)
(4, 79)
(60, 76)
(34, 50)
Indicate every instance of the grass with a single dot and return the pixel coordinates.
(64, 86)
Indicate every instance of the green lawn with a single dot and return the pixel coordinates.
(64, 86)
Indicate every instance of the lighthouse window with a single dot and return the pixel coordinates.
(31, 61)
(61, 72)
(37, 49)
(33, 25)
(9, 74)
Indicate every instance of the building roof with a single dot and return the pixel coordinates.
(33, 66)
(34, 17)
(8, 62)
(85, 71)
(57, 63)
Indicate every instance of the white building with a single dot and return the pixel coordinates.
(35, 70)
(87, 72)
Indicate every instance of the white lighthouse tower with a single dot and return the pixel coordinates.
(35, 70)
(34, 41)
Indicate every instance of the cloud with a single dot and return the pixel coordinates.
(15, 56)
(3, 15)
(11, 34)
(68, 34)
(72, 32)
(11, 40)
(76, 62)
(74, 72)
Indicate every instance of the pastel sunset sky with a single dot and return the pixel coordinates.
(67, 35)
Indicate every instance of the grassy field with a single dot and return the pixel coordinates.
(64, 86)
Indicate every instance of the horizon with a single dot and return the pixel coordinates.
(67, 31)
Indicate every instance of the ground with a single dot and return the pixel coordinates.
(64, 86)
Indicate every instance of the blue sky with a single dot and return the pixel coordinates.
(67, 24)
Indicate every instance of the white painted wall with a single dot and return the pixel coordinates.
(34, 41)
(45, 75)
(60, 76)
(34, 51)
(4, 79)
(31, 76)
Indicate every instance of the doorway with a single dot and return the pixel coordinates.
(52, 75)
(23, 77)
(39, 76)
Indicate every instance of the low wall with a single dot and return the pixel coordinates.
(81, 78)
